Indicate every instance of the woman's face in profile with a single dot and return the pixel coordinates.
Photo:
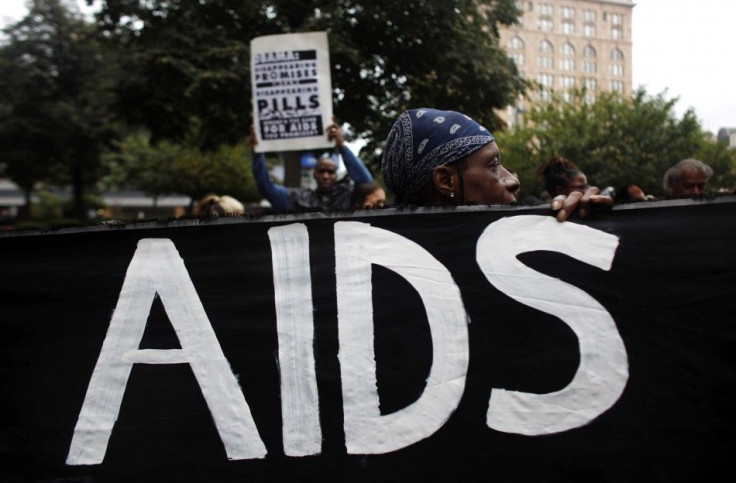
(486, 181)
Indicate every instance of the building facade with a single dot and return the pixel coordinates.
(564, 44)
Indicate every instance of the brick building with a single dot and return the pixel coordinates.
(562, 44)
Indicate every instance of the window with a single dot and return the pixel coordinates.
(617, 55)
(545, 96)
(616, 70)
(567, 64)
(518, 58)
(617, 33)
(567, 82)
(545, 46)
(568, 12)
(590, 84)
(589, 67)
(567, 49)
(617, 19)
(516, 43)
(546, 9)
(545, 24)
(589, 52)
(589, 15)
(588, 30)
(617, 86)
(566, 96)
(589, 98)
(568, 27)
(545, 61)
(546, 80)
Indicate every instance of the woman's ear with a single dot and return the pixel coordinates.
(445, 180)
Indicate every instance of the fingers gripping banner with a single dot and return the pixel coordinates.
(463, 345)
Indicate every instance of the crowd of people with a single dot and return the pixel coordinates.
(444, 158)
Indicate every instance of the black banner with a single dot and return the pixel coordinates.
(466, 345)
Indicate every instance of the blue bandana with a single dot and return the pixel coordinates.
(421, 140)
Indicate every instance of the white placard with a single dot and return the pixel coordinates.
(292, 91)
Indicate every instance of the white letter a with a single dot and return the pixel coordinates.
(157, 267)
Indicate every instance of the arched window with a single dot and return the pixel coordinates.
(617, 55)
(516, 43)
(589, 52)
(545, 46)
(568, 49)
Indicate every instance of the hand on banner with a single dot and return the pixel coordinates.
(564, 205)
(334, 133)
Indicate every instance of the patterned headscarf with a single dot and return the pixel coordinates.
(421, 140)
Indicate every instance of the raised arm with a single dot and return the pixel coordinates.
(355, 167)
(277, 195)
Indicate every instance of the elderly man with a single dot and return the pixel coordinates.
(330, 194)
(687, 179)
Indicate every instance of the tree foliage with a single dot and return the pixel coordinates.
(167, 168)
(188, 61)
(54, 113)
(615, 140)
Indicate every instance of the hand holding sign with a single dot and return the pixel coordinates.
(334, 133)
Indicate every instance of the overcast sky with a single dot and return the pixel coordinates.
(684, 46)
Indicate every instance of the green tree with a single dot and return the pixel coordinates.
(54, 119)
(615, 140)
(188, 61)
(167, 168)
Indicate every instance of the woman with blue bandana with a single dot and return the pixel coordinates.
(444, 158)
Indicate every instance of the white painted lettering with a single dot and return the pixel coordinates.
(603, 371)
(357, 246)
(292, 283)
(155, 268)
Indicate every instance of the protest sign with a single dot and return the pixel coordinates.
(292, 91)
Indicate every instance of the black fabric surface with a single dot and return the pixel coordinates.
(671, 291)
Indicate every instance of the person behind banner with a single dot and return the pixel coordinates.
(569, 188)
(213, 206)
(367, 196)
(632, 193)
(444, 158)
(687, 179)
(331, 194)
